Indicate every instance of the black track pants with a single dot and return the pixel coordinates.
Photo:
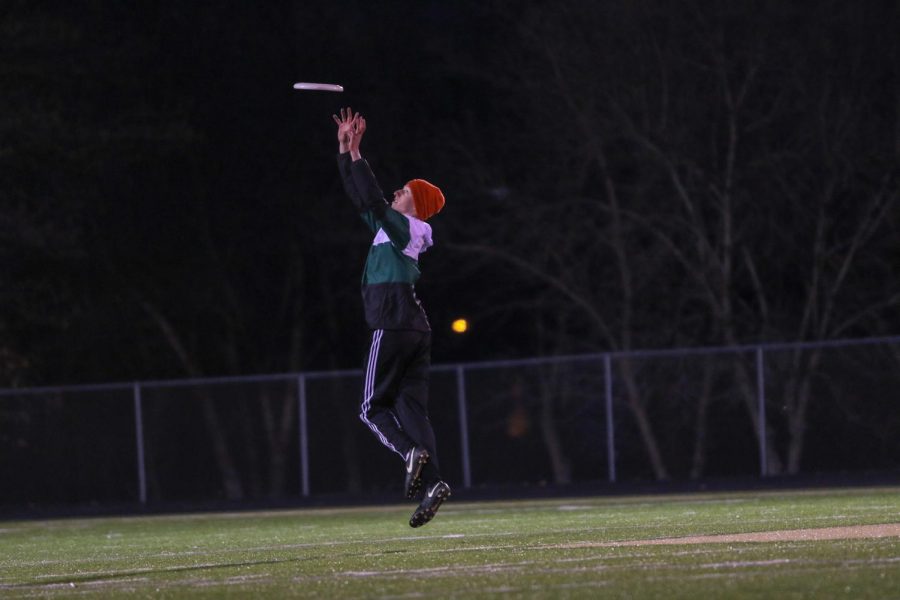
(395, 393)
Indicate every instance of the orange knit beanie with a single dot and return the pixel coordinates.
(428, 198)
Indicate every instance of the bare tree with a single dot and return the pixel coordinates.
(686, 139)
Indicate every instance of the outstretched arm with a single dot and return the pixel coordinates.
(345, 127)
(359, 182)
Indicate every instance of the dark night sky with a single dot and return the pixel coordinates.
(167, 138)
(165, 188)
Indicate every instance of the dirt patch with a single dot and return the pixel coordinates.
(784, 535)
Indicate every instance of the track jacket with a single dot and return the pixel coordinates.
(392, 266)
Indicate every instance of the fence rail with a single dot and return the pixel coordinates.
(566, 417)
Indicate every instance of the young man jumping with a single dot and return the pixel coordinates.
(395, 393)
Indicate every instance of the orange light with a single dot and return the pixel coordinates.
(460, 325)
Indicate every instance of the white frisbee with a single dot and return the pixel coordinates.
(322, 87)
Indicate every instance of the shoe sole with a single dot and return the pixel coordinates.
(416, 483)
(419, 518)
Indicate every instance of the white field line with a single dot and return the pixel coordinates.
(723, 569)
(808, 567)
(739, 564)
(785, 535)
(443, 570)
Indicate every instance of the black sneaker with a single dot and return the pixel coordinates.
(414, 462)
(432, 501)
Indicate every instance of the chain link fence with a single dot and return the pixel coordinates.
(680, 414)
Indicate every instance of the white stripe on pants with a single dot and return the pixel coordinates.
(369, 390)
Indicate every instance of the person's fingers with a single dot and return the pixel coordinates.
(336, 120)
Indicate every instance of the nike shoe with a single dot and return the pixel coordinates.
(414, 462)
(434, 497)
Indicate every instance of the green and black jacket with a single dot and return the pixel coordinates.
(392, 267)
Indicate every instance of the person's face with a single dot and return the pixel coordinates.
(403, 202)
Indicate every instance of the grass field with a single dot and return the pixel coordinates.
(569, 548)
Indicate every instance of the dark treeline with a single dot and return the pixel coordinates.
(619, 175)
(170, 205)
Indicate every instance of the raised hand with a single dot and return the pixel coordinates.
(346, 124)
(357, 130)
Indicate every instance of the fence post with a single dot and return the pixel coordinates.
(463, 425)
(304, 439)
(139, 436)
(610, 428)
(761, 404)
